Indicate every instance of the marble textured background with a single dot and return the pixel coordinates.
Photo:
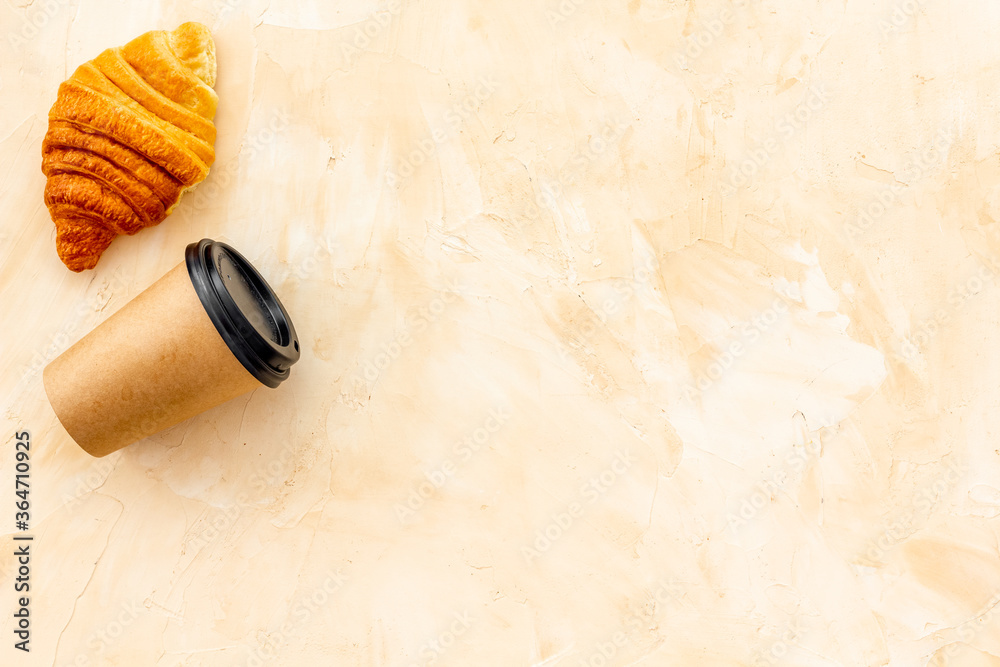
(634, 333)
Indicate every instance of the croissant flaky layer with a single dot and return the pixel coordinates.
(128, 133)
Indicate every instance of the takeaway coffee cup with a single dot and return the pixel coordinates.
(210, 330)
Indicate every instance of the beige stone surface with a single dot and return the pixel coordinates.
(634, 333)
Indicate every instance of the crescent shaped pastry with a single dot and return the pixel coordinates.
(129, 132)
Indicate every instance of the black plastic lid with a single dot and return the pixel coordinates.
(244, 309)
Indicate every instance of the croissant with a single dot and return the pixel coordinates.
(129, 132)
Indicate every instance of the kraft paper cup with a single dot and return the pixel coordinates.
(208, 331)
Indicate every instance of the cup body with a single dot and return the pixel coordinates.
(156, 362)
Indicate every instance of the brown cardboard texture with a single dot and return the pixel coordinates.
(157, 361)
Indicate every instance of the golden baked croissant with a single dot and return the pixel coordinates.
(128, 133)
